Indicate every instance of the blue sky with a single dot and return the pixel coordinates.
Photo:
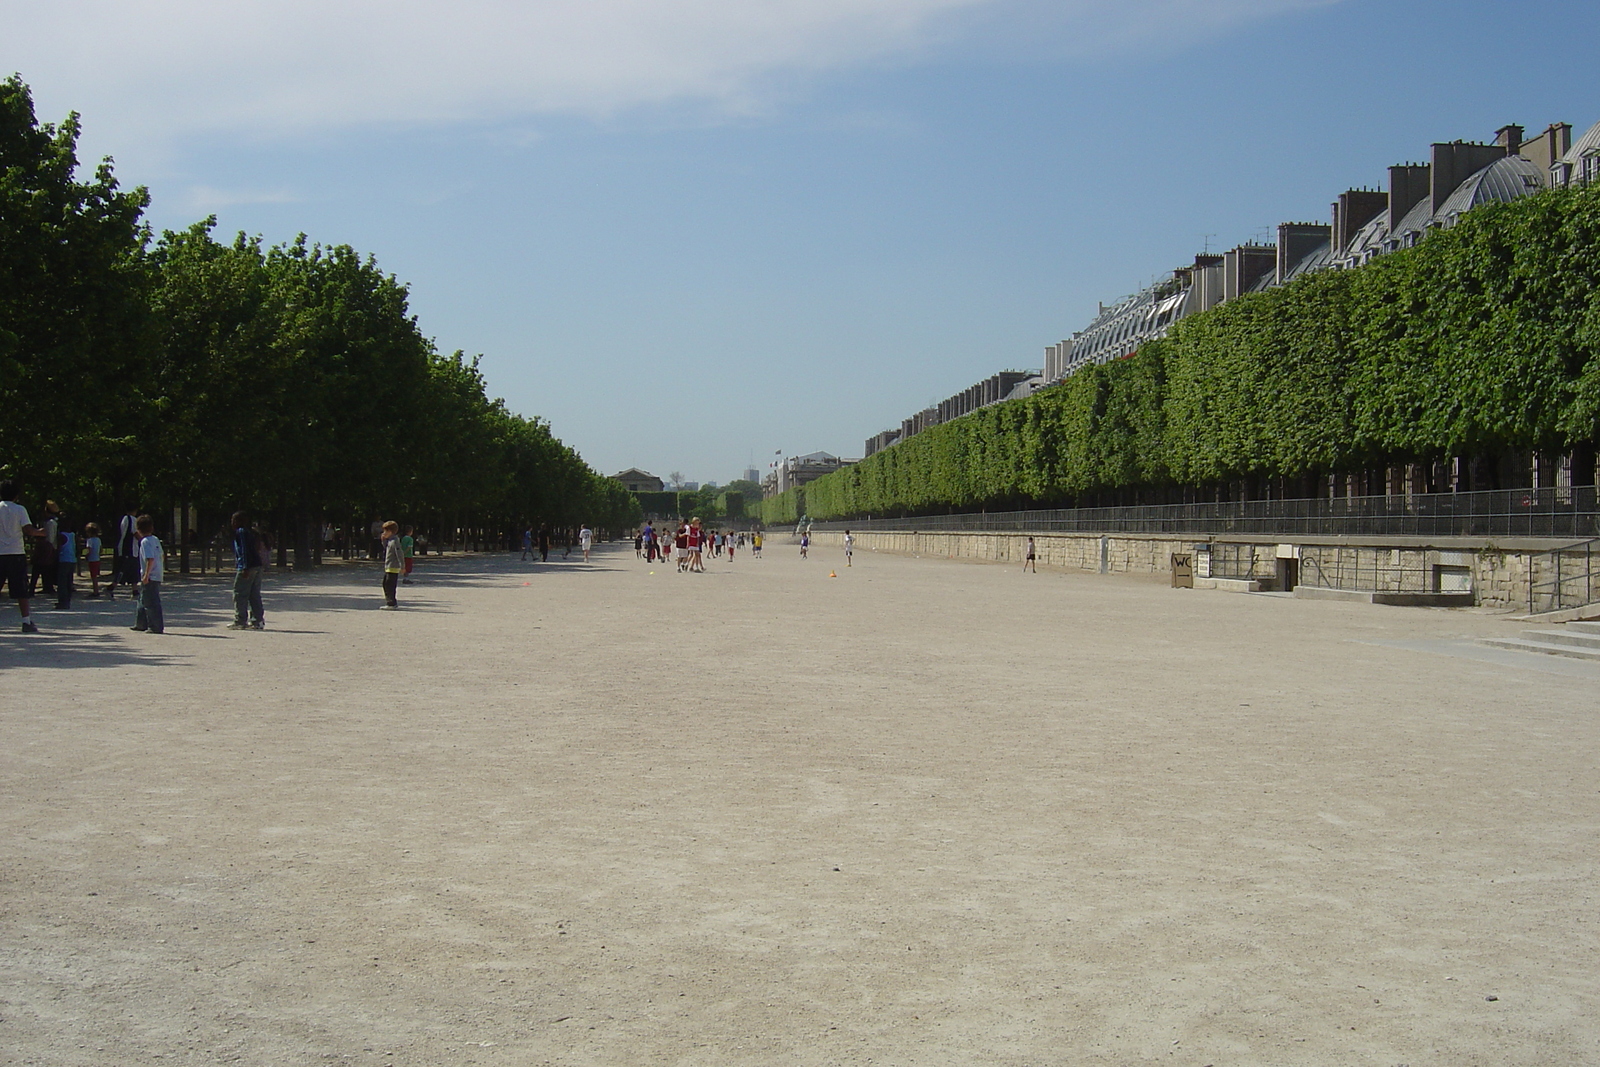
(692, 233)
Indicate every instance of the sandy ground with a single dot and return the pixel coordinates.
(921, 813)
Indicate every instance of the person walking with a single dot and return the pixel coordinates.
(15, 529)
(849, 547)
(527, 543)
(544, 544)
(152, 569)
(1030, 563)
(586, 540)
(805, 544)
(394, 563)
(247, 609)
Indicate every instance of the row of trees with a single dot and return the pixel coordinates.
(1481, 343)
(289, 379)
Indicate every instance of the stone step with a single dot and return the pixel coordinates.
(1584, 627)
(1565, 636)
(1548, 648)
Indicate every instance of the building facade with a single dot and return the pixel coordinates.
(637, 481)
(1366, 223)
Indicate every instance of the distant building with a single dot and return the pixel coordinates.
(638, 481)
(880, 441)
(801, 470)
(1366, 223)
(752, 475)
(1007, 385)
(1579, 164)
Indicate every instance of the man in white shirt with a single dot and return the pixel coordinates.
(586, 539)
(151, 571)
(15, 529)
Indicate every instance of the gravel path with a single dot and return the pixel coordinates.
(920, 813)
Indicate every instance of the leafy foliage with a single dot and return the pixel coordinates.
(1483, 338)
(286, 377)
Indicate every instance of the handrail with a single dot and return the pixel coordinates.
(1557, 585)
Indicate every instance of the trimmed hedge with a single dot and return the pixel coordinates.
(1483, 338)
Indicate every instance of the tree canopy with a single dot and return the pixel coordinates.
(1481, 340)
(293, 377)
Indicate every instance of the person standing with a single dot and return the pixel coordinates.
(755, 545)
(586, 541)
(151, 572)
(849, 547)
(247, 609)
(15, 529)
(125, 560)
(805, 544)
(408, 549)
(697, 546)
(394, 563)
(91, 556)
(1030, 563)
(66, 563)
(544, 544)
(44, 553)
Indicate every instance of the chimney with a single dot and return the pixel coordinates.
(1408, 184)
(1457, 161)
(1296, 241)
(1356, 208)
(1509, 138)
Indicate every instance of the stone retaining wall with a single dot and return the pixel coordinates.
(1500, 576)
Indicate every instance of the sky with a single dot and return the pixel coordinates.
(695, 234)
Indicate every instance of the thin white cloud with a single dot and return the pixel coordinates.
(206, 199)
(158, 68)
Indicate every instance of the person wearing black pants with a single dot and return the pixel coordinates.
(394, 562)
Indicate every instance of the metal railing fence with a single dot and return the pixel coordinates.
(1563, 511)
(1565, 577)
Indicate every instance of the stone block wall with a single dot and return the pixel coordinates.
(1500, 576)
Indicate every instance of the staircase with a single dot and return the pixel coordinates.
(1577, 640)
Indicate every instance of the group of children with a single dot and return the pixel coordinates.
(689, 542)
(56, 551)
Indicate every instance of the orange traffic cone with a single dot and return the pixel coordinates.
(831, 574)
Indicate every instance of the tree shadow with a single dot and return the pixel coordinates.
(72, 649)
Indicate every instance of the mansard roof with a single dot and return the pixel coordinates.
(1502, 181)
(1587, 145)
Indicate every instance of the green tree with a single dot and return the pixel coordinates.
(75, 337)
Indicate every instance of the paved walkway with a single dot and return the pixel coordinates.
(920, 813)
